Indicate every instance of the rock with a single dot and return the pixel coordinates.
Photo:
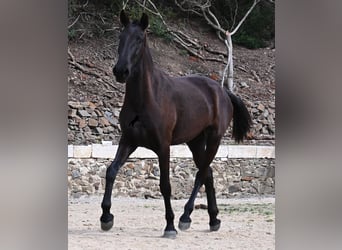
(87, 189)
(83, 113)
(244, 85)
(94, 115)
(116, 112)
(99, 130)
(104, 122)
(82, 123)
(87, 132)
(92, 123)
(83, 170)
(72, 113)
(108, 129)
(234, 188)
(77, 105)
(113, 121)
(155, 171)
(71, 137)
(92, 105)
(98, 113)
(264, 130)
(129, 172)
(110, 118)
(261, 107)
(75, 174)
(102, 171)
(258, 127)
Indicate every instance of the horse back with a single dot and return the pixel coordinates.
(200, 104)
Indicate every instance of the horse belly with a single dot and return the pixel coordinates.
(187, 129)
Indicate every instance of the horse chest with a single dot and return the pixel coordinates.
(139, 128)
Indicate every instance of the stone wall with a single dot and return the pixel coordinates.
(90, 122)
(140, 178)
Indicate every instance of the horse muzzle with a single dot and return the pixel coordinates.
(120, 74)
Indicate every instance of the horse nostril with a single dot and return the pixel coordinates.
(114, 70)
(126, 72)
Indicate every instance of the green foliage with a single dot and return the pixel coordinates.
(158, 28)
(248, 41)
(97, 17)
(72, 34)
(156, 25)
(257, 29)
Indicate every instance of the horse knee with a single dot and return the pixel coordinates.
(110, 174)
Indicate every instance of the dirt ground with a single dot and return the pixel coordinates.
(139, 223)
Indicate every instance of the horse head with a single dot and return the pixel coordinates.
(131, 46)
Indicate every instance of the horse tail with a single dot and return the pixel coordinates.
(241, 118)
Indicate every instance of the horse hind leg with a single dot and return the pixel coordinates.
(211, 149)
(214, 223)
(197, 147)
(204, 149)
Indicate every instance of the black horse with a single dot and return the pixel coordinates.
(160, 111)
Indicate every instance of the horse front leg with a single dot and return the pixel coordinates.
(123, 152)
(165, 189)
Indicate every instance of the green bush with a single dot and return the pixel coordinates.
(257, 29)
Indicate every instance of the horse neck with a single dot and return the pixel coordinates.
(139, 87)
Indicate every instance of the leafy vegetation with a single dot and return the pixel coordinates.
(96, 18)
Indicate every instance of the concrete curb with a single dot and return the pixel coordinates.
(107, 150)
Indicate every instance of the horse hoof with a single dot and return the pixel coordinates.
(105, 226)
(170, 234)
(184, 225)
(216, 226)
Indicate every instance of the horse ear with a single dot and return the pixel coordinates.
(144, 21)
(124, 19)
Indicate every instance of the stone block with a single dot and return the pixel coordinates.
(180, 151)
(265, 152)
(82, 151)
(222, 151)
(70, 151)
(143, 153)
(104, 150)
(242, 151)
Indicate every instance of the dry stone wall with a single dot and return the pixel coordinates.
(140, 178)
(90, 122)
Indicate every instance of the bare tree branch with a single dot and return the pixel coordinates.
(78, 66)
(244, 18)
(183, 40)
(74, 22)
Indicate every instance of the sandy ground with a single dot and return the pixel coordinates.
(139, 223)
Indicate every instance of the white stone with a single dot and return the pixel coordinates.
(102, 171)
(82, 151)
(143, 153)
(180, 151)
(107, 150)
(222, 151)
(84, 170)
(265, 152)
(107, 143)
(104, 150)
(70, 151)
(242, 151)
